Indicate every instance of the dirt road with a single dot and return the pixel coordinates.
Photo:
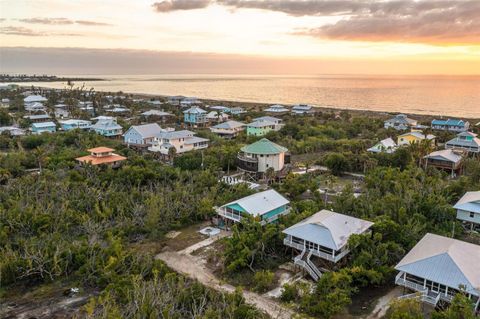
(193, 267)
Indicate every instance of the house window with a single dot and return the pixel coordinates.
(472, 215)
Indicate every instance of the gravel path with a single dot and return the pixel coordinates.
(194, 267)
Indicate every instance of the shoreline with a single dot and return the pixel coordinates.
(258, 105)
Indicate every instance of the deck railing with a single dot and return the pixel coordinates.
(288, 242)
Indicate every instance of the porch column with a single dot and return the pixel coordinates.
(425, 283)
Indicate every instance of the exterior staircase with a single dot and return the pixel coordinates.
(303, 260)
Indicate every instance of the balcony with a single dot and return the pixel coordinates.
(424, 294)
(248, 164)
(315, 252)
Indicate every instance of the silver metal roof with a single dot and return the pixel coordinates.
(261, 203)
(228, 125)
(444, 260)
(470, 202)
(328, 229)
(445, 155)
(147, 130)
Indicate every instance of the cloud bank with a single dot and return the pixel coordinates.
(62, 21)
(418, 21)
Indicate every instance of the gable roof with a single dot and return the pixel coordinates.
(449, 122)
(469, 202)
(156, 113)
(176, 134)
(448, 261)
(387, 145)
(445, 155)
(43, 124)
(267, 119)
(458, 141)
(228, 125)
(260, 203)
(195, 110)
(402, 119)
(146, 130)
(265, 147)
(328, 229)
(419, 135)
(34, 98)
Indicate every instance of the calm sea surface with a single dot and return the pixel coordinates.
(438, 95)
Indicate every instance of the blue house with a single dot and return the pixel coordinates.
(195, 116)
(39, 128)
(265, 207)
(72, 124)
(450, 125)
(142, 134)
(107, 127)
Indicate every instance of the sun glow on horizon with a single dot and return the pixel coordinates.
(221, 29)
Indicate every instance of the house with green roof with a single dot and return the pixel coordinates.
(262, 155)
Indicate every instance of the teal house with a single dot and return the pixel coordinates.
(107, 127)
(262, 125)
(265, 207)
(195, 116)
(43, 127)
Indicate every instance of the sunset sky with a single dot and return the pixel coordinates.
(324, 36)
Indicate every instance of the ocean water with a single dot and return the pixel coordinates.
(457, 96)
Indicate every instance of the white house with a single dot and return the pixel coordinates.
(142, 134)
(400, 122)
(438, 267)
(468, 209)
(266, 207)
(30, 100)
(387, 145)
(277, 108)
(467, 141)
(260, 156)
(12, 130)
(302, 109)
(217, 117)
(228, 129)
(189, 101)
(183, 141)
(35, 107)
(324, 235)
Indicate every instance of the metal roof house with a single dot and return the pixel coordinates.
(183, 141)
(43, 127)
(262, 125)
(195, 116)
(437, 267)
(302, 109)
(324, 235)
(142, 134)
(266, 207)
(107, 126)
(400, 122)
(450, 125)
(387, 145)
(466, 140)
(72, 124)
(414, 137)
(468, 209)
(277, 108)
(450, 160)
(228, 129)
(258, 157)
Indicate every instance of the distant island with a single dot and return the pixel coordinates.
(42, 78)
